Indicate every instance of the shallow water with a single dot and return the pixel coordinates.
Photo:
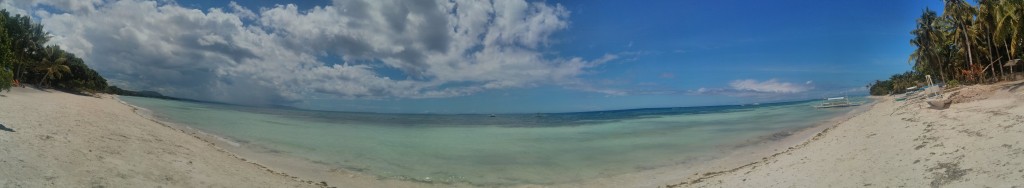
(505, 150)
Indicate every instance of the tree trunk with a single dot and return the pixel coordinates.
(970, 56)
(1009, 56)
(43, 79)
(991, 51)
(942, 74)
(17, 72)
(939, 64)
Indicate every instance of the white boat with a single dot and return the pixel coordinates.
(836, 102)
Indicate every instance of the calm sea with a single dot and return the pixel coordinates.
(507, 149)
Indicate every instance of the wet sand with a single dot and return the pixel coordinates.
(729, 156)
(56, 139)
(103, 141)
(975, 143)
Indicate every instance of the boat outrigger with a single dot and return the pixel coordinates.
(836, 102)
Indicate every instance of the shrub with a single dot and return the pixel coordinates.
(953, 84)
(6, 79)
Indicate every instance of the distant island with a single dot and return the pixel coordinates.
(149, 94)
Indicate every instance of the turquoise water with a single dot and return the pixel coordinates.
(505, 150)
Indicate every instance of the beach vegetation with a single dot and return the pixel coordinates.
(6, 60)
(24, 56)
(897, 84)
(953, 84)
(965, 44)
(53, 64)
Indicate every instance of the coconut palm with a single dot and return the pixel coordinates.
(961, 16)
(928, 40)
(28, 41)
(986, 23)
(23, 57)
(6, 74)
(53, 64)
(968, 41)
(1009, 28)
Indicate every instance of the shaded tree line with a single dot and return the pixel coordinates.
(25, 59)
(966, 44)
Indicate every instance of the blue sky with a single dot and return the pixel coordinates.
(440, 57)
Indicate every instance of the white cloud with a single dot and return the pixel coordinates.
(242, 12)
(23, 6)
(78, 6)
(15, 7)
(442, 48)
(769, 86)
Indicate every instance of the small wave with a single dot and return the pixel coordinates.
(225, 140)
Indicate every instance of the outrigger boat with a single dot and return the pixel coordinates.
(836, 102)
(935, 96)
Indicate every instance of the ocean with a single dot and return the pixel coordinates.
(507, 149)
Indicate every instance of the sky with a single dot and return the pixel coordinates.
(468, 56)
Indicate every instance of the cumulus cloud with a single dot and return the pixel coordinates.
(755, 88)
(15, 7)
(769, 86)
(349, 49)
(241, 11)
(23, 6)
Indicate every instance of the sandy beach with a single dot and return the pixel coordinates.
(511, 94)
(56, 139)
(974, 143)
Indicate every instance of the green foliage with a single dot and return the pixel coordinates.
(6, 79)
(966, 44)
(150, 94)
(881, 87)
(953, 84)
(23, 57)
(897, 84)
(53, 65)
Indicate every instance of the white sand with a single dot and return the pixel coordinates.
(65, 140)
(901, 144)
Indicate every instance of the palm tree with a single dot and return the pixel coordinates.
(23, 57)
(53, 65)
(985, 32)
(6, 74)
(992, 31)
(28, 41)
(927, 38)
(1008, 27)
(961, 16)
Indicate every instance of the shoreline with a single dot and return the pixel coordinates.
(105, 141)
(57, 139)
(737, 156)
(788, 144)
(288, 166)
(299, 168)
(199, 135)
(973, 143)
